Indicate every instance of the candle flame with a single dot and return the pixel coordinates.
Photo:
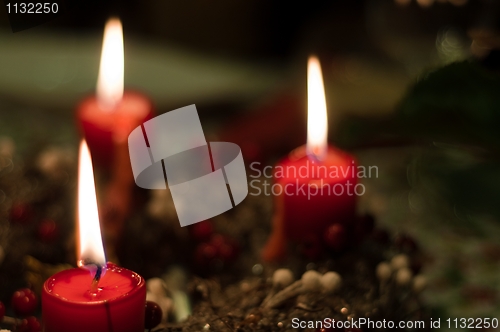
(90, 241)
(317, 121)
(110, 79)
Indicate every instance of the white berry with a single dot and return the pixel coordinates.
(400, 261)
(403, 276)
(419, 283)
(156, 286)
(311, 281)
(383, 271)
(7, 146)
(331, 281)
(282, 278)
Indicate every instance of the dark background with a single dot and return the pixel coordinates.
(270, 28)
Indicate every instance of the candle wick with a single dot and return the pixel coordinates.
(97, 276)
(315, 158)
(95, 281)
(315, 153)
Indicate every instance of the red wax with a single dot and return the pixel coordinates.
(67, 304)
(103, 129)
(310, 195)
(318, 193)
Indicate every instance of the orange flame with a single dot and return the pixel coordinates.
(110, 80)
(317, 120)
(91, 250)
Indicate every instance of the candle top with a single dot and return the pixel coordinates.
(127, 114)
(333, 156)
(298, 167)
(73, 285)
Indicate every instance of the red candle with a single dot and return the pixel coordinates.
(105, 121)
(107, 118)
(315, 186)
(316, 193)
(117, 306)
(105, 129)
(106, 298)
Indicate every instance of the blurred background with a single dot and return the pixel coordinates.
(205, 47)
(412, 87)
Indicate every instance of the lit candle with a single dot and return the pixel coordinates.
(107, 118)
(317, 182)
(96, 297)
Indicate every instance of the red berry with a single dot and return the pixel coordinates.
(335, 237)
(153, 315)
(201, 231)
(2, 311)
(20, 213)
(226, 249)
(23, 326)
(24, 302)
(34, 324)
(30, 324)
(217, 240)
(227, 252)
(48, 230)
(204, 254)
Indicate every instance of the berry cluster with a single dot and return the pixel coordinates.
(338, 237)
(24, 303)
(47, 230)
(213, 250)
